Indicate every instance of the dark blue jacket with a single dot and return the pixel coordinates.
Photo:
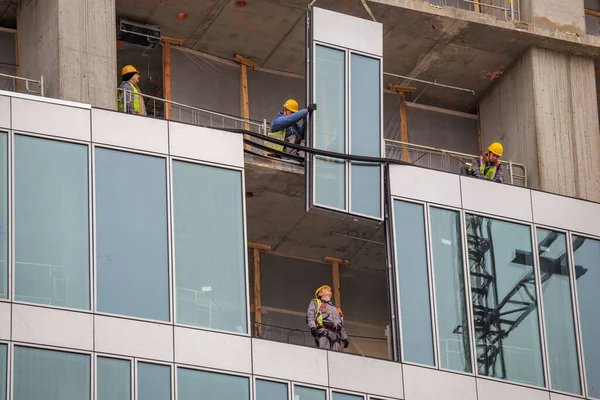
(290, 123)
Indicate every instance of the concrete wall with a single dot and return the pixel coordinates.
(566, 16)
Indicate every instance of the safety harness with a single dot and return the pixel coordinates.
(491, 171)
(321, 308)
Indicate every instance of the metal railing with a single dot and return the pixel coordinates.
(446, 160)
(17, 79)
(511, 11)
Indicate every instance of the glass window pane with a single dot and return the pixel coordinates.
(306, 393)
(131, 234)
(503, 287)
(267, 390)
(3, 215)
(209, 247)
(450, 293)
(3, 370)
(330, 95)
(50, 375)
(365, 100)
(212, 385)
(114, 379)
(366, 189)
(52, 253)
(345, 396)
(153, 382)
(330, 185)
(587, 271)
(413, 282)
(558, 311)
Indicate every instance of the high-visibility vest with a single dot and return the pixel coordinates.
(323, 307)
(136, 99)
(491, 172)
(280, 135)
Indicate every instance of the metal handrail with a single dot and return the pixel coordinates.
(27, 82)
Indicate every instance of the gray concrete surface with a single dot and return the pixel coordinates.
(566, 16)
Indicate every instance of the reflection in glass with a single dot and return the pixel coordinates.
(306, 393)
(330, 133)
(366, 189)
(209, 247)
(558, 311)
(3, 215)
(330, 181)
(52, 256)
(131, 235)
(365, 100)
(212, 385)
(114, 379)
(3, 370)
(153, 381)
(345, 396)
(503, 288)
(413, 282)
(587, 271)
(268, 390)
(50, 375)
(450, 294)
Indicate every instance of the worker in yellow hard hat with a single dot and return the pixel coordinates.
(129, 94)
(488, 166)
(286, 126)
(326, 321)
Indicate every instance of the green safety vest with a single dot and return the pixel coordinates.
(280, 135)
(491, 172)
(136, 99)
(319, 315)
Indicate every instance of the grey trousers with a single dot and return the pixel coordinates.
(328, 340)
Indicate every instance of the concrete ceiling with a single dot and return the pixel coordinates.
(8, 13)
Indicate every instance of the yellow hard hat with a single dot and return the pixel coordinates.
(496, 148)
(128, 69)
(321, 288)
(291, 105)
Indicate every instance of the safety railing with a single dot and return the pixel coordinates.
(31, 85)
(510, 11)
(446, 160)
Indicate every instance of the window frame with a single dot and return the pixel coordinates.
(274, 380)
(9, 368)
(134, 382)
(9, 214)
(176, 366)
(310, 386)
(348, 392)
(116, 357)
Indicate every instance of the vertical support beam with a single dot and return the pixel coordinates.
(244, 64)
(403, 124)
(167, 77)
(257, 305)
(476, 6)
(17, 56)
(335, 267)
(479, 131)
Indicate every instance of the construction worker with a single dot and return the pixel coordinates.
(286, 126)
(326, 321)
(128, 96)
(486, 166)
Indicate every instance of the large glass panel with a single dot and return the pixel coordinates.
(330, 95)
(345, 396)
(306, 393)
(365, 101)
(3, 370)
(50, 375)
(209, 247)
(365, 181)
(450, 293)
(153, 382)
(114, 379)
(131, 234)
(587, 271)
(52, 256)
(558, 311)
(330, 182)
(3, 215)
(268, 390)
(413, 282)
(212, 385)
(503, 288)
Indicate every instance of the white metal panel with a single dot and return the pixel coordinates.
(429, 384)
(494, 390)
(366, 375)
(565, 212)
(134, 338)
(425, 184)
(285, 361)
(5, 112)
(131, 131)
(206, 144)
(51, 119)
(41, 325)
(5, 310)
(347, 31)
(496, 199)
(213, 350)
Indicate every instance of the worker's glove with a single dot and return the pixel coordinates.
(346, 343)
(314, 332)
(311, 107)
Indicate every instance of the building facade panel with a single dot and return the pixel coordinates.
(492, 390)
(5, 112)
(5, 320)
(566, 213)
(428, 384)
(414, 183)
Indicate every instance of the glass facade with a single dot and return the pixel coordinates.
(3, 371)
(308, 393)
(269, 390)
(212, 385)
(52, 252)
(114, 379)
(558, 311)
(50, 375)
(587, 272)
(153, 381)
(209, 247)
(345, 396)
(131, 234)
(3, 215)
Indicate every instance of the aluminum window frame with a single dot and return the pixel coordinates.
(134, 382)
(176, 366)
(9, 368)
(348, 392)
(115, 357)
(9, 216)
(274, 380)
(326, 389)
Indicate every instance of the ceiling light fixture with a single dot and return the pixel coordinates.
(182, 15)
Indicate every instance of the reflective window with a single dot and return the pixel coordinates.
(209, 247)
(3, 370)
(330, 182)
(131, 234)
(365, 181)
(3, 215)
(413, 283)
(268, 390)
(587, 272)
(50, 375)
(558, 311)
(153, 382)
(52, 252)
(503, 287)
(345, 396)
(450, 293)
(212, 385)
(307, 393)
(114, 379)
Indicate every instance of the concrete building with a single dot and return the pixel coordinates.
(169, 257)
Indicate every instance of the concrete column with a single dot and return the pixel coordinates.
(562, 15)
(544, 112)
(72, 43)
